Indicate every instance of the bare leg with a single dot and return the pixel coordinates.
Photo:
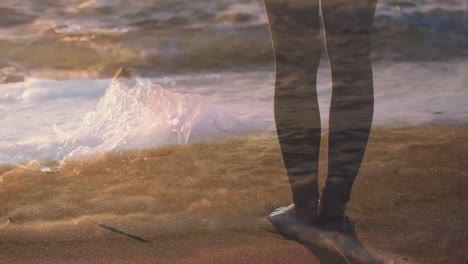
(348, 28)
(295, 30)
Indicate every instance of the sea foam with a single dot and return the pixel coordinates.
(133, 113)
(136, 113)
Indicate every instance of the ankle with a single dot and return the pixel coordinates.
(340, 224)
(307, 214)
(332, 206)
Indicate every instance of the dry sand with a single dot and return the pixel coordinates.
(206, 203)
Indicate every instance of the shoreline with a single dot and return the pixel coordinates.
(4, 167)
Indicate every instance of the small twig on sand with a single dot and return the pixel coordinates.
(115, 230)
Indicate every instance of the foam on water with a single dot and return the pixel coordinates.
(136, 113)
(133, 113)
(93, 116)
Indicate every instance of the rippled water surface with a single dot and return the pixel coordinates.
(92, 38)
(206, 71)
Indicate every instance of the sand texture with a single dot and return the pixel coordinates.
(207, 203)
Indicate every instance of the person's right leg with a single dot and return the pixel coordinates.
(295, 30)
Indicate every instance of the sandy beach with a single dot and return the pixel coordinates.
(208, 202)
(205, 70)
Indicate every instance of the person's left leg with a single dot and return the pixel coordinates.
(348, 26)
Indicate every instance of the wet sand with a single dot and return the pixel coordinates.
(206, 203)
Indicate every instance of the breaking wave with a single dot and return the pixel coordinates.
(134, 113)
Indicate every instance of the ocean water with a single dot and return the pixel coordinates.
(93, 38)
(49, 119)
(204, 71)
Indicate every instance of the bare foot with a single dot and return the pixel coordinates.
(287, 220)
(331, 242)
